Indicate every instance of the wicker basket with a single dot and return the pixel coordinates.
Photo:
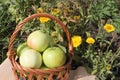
(60, 73)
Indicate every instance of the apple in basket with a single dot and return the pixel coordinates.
(21, 48)
(54, 57)
(38, 40)
(30, 58)
(43, 67)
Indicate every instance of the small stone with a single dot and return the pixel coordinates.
(81, 74)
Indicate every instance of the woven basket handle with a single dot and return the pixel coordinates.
(19, 26)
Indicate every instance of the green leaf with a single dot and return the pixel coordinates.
(94, 72)
(88, 34)
(107, 13)
(62, 47)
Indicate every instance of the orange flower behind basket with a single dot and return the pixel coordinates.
(44, 19)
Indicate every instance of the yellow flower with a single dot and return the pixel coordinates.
(90, 40)
(55, 11)
(76, 17)
(76, 41)
(108, 68)
(109, 28)
(40, 10)
(44, 19)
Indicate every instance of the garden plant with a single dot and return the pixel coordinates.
(94, 26)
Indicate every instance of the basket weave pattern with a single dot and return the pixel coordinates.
(60, 73)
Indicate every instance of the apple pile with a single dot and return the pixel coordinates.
(37, 54)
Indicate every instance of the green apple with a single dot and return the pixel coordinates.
(38, 40)
(21, 48)
(43, 67)
(54, 57)
(31, 58)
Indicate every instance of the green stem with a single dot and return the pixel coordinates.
(110, 44)
(116, 54)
